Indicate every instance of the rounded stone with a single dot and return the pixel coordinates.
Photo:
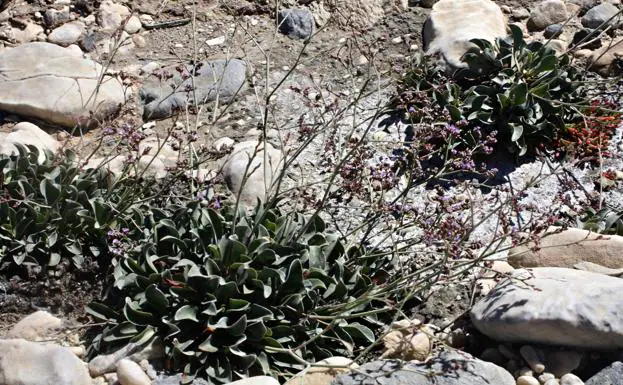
(553, 31)
(527, 380)
(571, 379)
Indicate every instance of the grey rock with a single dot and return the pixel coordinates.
(599, 15)
(67, 34)
(296, 23)
(546, 13)
(53, 17)
(561, 362)
(164, 96)
(107, 363)
(571, 379)
(130, 373)
(111, 15)
(553, 31)
(177, 380)
(449, 368)
(75, 91)
(428, 3)
(555, 306)
(26, 133)
(91, 39)
(611, 375)
(36, 326)
(31, 363)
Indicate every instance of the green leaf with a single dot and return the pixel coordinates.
(294, 279)
(455, 113)
(136, 315)
(50, 191)
(186, 312)
(156, 298)
(358, 331)
(517, 131)
(101, 311)
(519, 94)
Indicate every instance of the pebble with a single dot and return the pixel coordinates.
(544, 377)
(133, 25)
(527, 380)
(561, 362)
(571, 379)
(531, 357)
(215, 41)
(178, 45)
(553, 381)
(130, 373)
(397, 40)
(525, 372)
(139, 41)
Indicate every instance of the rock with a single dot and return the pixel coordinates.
(107, 363)
(452, 23)
(599, 15)
(318, 375)
(492, 355)
(553, 31)
(428, 3)
(72, 84)
(25, 133)
(149, 67)
(544, 377)
(31, 363)
(555, 306)
(257, 380)
(489, 277)
(608, 61)
(173, 91)
(571, 379)
(296, 23)
(449, 368)
(406, 344)
(130, 373)
(53, 17)
(569, 247)
(26, 34)
(611, 375)
(221, 144)
(177, 380)
(547, 12)
(527, 380)
(92, 39)
(260, 178)
(67, 34)
(561, 362)
(111, 16)
(520, 13)
(553, 381)
(38, 325)
(133, 25)
(587, 39)
(532, 358)
(139, 41)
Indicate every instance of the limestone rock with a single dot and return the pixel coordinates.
(452, 23)
(556, 306)
(449, 368)
(67, 34)
(25, 133)
(611, 375)
(35, 326)
(527, 380)
(111, 15)
(27, 34)
(165, 95)
(569, 247)
(296, 23)
(71, 83)
(406, 342)
(260, 175)
(133, 25)
(571, 379)
(546, 13)
(31, 363)
(319, 375)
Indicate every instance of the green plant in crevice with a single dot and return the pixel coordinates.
(262, 296)
(523, 91)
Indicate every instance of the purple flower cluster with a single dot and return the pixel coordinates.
(118, 241)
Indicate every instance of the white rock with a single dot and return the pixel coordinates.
(527, 380)
(111, 16)
(526, 372)
(130, 373)
(453, 23)
(28, 34)
(107, 363)
(67, 34)
(532, 358)
(150, 67)
(250, 156)
(31, 363)
(133, 25)
(38, 325)
(555, 306)
(553, 381)
(71, 83)
(257, 380)
(544, 377)
(27, 134)
(221, 144)
(319, 374)
(215, 41)
(571, 379)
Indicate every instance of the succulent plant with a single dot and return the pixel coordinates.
(233, 295)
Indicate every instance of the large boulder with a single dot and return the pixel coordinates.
(449, 368)
(611, 375)
(55, 84)
(555, 306)
(453, 23)
(168, 91)
(251, 170)
(31, 363)
(26, 133)
(546, 13)
(568, 248)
